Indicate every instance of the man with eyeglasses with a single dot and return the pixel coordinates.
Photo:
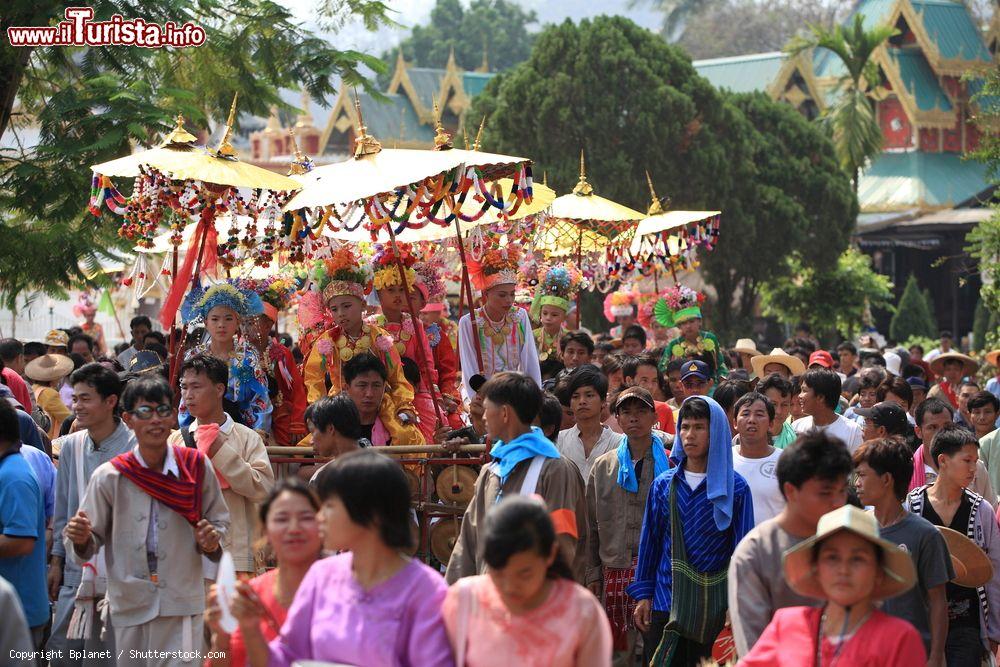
(155, 510)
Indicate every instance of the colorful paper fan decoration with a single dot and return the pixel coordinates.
(232, 294)
(678, 305)
(498, 266)
(558, 287)
(386, 271)
(644, 314)
(619, 304)
(344, 273)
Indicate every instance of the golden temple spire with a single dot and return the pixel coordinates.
(364, 144)
(179, 136)
(225, 149)
(442, 140)
(583, 188)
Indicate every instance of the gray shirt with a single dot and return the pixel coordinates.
(14, 633)
(68, 492)
(757, 586)
(926, 546)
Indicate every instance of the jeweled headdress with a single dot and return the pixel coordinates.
(231, 293)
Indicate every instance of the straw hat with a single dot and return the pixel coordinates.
(747, 346)
(972, 566)
(993, 358)
(970, 364)
(49, 367)
(777, 356)
(800, 569)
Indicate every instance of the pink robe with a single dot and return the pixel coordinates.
(422, 399)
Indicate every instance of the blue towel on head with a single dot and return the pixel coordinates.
(526, 446)
(626, 469)
(720, 478)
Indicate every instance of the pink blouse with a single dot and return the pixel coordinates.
(569, 629)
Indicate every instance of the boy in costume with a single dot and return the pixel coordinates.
(681, 307)
(285, 385)
(222, 308)
(441, 334)
(553, 297)
(410, 341)
(503, 331)
(619, 309)
(343, 281)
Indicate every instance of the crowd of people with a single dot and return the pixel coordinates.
(649, 495)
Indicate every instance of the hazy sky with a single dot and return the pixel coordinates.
(414, 12)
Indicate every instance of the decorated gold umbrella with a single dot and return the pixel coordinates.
(672, 236)
(590, 211)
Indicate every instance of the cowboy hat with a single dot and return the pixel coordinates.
(777, 356)
(747, 346)
(49, 367)
(800, 565)
(972, 566)
(970, 364)
(993, 358)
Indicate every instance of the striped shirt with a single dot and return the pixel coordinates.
(708, 548)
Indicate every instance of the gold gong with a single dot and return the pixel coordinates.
(444, 535)
(456, 484)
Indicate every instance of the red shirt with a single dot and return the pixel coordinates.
(263, 586)
(666, 418)
(18, 387)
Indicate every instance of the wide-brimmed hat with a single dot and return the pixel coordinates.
(57, 338)
(49, 367)
(970, 364)
(993, 358)
(972, 566)
(777, 356)
(747, 346)
(800, 566)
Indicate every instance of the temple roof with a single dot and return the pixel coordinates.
(742, 74)
(921, 180)
(919, 79)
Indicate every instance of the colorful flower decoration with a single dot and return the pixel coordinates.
(232, 294)
(429, 271)
(498, 266)
(678, 305)
(344, 273)
(387, 270)
(619, 304)
(557, 287)
(276, 292)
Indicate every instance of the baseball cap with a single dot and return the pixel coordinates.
(886, 414)
(634, 393)
(476, 382)
(917, 382)
(695, 369)
(821, 357)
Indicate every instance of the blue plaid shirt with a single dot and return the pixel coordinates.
(708, 548)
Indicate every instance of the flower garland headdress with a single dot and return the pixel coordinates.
(557, 287)
(498, 266)
(344, 273)
(678, 305)
(386, 271)
(619, 304)
(276, 293)
(230, 293)
(429, 281)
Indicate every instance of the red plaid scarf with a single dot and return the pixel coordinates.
(182, 495)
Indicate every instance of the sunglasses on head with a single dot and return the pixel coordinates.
(144, 412)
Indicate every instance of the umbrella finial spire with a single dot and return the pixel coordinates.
(442, 140)
(225, 149)
(655, 208)
(583, 188)
(300, 163)
(465, 136)
(365, 144)
(179, 135)
(479, 134)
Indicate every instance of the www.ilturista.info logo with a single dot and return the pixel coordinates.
(79, 30)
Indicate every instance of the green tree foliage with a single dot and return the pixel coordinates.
(830, 301)
(984, 323)
(496, 30)
(93, 104)
(851, 118)
(633, 103)
(984, 239)
(913, 316)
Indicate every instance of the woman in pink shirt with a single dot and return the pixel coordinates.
(371, 604)
(527, 610)
(850, 567)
